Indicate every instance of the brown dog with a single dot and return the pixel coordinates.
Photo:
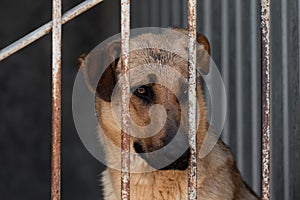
(217, 175)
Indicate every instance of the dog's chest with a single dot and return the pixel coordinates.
(154, 185)
(158, 186)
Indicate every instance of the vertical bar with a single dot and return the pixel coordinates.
(125, 154)
(192, 33)
(56, 99)
(265, 33)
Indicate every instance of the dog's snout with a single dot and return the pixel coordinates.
(172, 153)
(164, 159)
(138, 147)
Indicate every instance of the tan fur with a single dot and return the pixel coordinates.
(217, 175)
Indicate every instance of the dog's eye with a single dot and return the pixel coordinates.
(144, 92)
(141, 90)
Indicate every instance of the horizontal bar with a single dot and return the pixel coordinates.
(192, 106)
(56, 101)
(266, 112)
(46, 28)
(125, 144)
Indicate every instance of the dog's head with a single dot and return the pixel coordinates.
(163, 87)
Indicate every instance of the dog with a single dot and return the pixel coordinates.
(217, 174)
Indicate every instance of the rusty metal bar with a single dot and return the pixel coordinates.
(46, 28)
(56, 100)
(266, 115)
(192, 107)
(125, 147)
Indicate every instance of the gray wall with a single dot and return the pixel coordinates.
(286, 100)
(232, 26)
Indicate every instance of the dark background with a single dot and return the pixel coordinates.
(25, 101)
(232, 26)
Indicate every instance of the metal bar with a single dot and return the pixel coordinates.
(46, 28)
(266, 115)
(125, 152)
(56, 100)
(192, 107)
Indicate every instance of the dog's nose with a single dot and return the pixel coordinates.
(172, 156)
(163, 161)
(138, 147)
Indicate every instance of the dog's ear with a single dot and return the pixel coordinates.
(203, 53)
(99, 70)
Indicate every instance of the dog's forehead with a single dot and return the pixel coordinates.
(163, 48)
(157, 58)
(165, 70)
(173, 41)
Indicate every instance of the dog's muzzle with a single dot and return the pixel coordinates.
(173, 156)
